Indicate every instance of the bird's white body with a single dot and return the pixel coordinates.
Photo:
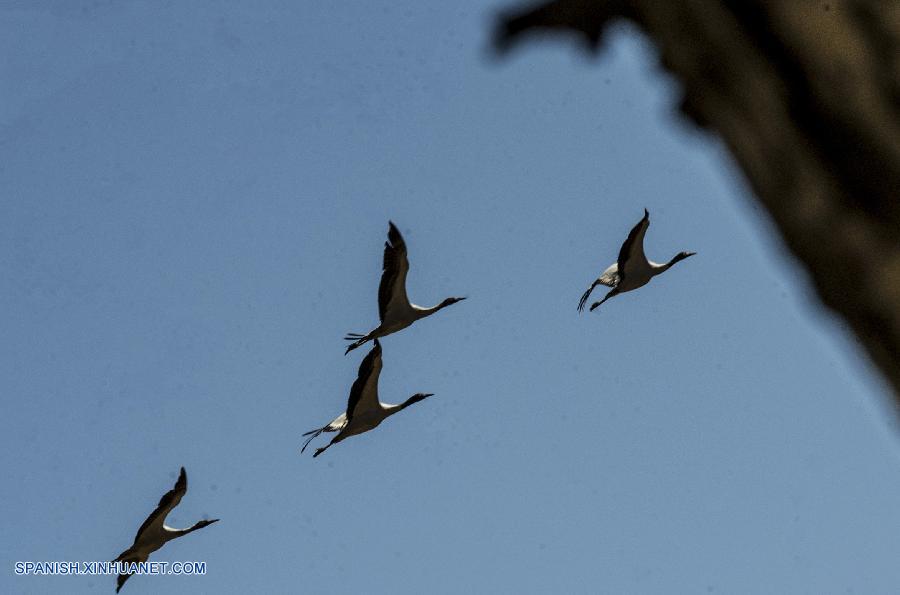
(632, 270)
(394, 308)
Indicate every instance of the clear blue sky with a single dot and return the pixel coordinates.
(194, 202)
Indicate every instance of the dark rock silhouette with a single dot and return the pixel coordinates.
(806, 95)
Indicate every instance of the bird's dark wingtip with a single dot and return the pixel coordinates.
(395, 238)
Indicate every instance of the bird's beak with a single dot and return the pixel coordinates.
(429, 394)
(691, 253)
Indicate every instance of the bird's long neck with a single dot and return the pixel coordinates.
(662, 268)
(179, 532)
(392, 409)
(423, 312)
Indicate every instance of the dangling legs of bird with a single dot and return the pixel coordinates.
(360, 339)
(356, 343)
(606, 297)
(334, 441)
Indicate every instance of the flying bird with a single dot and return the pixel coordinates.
(364, 411)
(153, 534)
(394, 308)
(632, 270)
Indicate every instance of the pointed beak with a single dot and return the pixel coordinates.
(429, 394)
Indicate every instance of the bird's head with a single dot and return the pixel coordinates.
(450, 301)
(682, 256)
(416, 398)
(206, 523)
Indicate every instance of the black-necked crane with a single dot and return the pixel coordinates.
(394, 308)
(364, 411)
(632, 270)
(154, 533)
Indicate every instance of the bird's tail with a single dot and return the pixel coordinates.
(313, 434)
(586, 295)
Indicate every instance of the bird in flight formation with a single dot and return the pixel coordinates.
(394, 308)
(154, 533)
(364, 411)
(632, 269)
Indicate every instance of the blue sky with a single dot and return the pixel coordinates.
(196, 196)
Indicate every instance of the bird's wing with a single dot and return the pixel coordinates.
(120, 581)
(364, 392)
(169, 501)
(392, 290)
(129, 556)
(633, 247)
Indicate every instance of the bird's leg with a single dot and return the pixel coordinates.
(321, 450)
(606, 297)
(597, 304)
(355, 343)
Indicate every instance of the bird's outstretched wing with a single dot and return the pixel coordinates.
(169, 501)
(392, 289)
(364, 392)
(120, 581)
(633, 247)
